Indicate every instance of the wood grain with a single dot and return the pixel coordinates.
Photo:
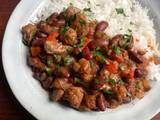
(10, 109)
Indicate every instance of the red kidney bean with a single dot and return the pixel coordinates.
(140, 72)
(38, 41)
(92, 45)
(101, 102)
(40, 35)
(87, 54)
(47, 84)
(76, 51)
(102, 26)
(135, 57)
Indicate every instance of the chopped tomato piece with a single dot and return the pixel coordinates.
(53, 36)
(128, 73)
(112, 66)
(118, 58)
(35, 51)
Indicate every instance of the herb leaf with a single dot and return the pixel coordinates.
(87, 9)
(67, 60)
(63, 30)
(122, 68)
(129, 94)
(112, 81)
(107, 92)
(120, 11)
(48, 70)
(82, 40)
(116, 49)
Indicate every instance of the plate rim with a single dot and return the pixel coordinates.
(32, 112)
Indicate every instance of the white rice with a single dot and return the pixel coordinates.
(135, 19)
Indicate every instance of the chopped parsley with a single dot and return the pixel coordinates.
(121, 67)
(96, 81)
(87, 10)
(129, 94)
(63, 30)
(131, 23)
(48, 70)
(120, 11)
(137, 86)
(71, 19)
(82, 41)
(82, 22)
(107, 92)
(129, 30)
(112, 81)
(126, 39)
(67, 60)
(57, 58)
(79, 81)
(116, 49)
(99, 54)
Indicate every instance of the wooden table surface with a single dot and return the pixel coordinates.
(10, 109)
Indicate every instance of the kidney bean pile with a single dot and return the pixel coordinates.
(80, 65)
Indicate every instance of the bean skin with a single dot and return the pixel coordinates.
(102, 26)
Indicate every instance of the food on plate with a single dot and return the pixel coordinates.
(80, 63)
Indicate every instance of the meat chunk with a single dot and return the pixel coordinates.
(146, 85)
(28, 32)
(36, 62)
(61, 83)
(85, 66)
(90, 101)
(57, 95)
(71, 11)
(54, 47)
(70, 37)
(74, 96)
(85, 70)
(44, 27)
(81, 25)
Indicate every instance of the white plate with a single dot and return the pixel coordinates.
(29, 92)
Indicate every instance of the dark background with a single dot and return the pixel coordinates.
(10, 109)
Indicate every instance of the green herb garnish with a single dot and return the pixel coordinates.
(87, 9)
(82, 22)
(131, 23)
(129, 94)
(121, 67)
(126, 40)
(137, 86)
(82, 41)
(120, 11)
(96, 81)
(107, 92)
(116, 49)
(63, 30)
(79, 81)
(97, 53)
(71, 19)
(57, 58)
(67, 60)
(112, 81)
(129, 30)
(48, 70)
